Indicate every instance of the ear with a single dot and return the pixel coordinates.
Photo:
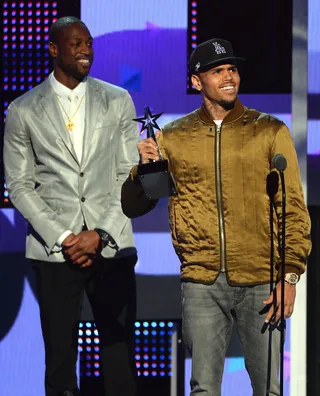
(195, 80)
(53, 49)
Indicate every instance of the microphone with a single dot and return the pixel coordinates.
(280, 162)
(272, 184)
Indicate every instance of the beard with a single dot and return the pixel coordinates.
(77, 74)
(227, 104)
(73, 71)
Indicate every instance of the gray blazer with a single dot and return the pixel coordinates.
(47, 184)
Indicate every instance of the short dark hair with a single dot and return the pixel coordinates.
(59, 25)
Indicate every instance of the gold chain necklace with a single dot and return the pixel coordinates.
(70, 124)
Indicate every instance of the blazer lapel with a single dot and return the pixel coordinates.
(93, 106)
(50, 105)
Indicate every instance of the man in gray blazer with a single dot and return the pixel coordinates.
(69, 145)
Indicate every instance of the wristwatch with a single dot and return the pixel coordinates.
(105, 238)
(291, 278)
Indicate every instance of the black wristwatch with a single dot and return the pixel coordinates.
(105, 238)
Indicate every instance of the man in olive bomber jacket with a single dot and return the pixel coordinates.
(220, 156)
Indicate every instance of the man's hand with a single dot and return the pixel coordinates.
(148, 150)
(274, 312)
(70, 240)
(83, 248)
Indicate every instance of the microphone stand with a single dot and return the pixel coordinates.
(282, 268)
(272, 189)
(280, 163)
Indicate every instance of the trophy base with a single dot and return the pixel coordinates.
(156, 180)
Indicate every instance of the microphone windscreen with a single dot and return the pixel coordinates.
(280, 162)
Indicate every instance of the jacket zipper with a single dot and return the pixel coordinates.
(219, 198)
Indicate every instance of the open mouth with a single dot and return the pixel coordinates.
(84, 62)
(229, 89)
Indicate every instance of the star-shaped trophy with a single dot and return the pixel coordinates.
(149, 121)
(155, 178)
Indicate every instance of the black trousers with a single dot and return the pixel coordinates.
(111, 289)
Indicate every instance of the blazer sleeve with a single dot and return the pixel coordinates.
(114, 220)
(298, 225)
(19, 164)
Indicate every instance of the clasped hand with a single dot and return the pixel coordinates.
(83, 248)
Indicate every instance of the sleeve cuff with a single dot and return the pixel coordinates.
(58, 245)
(289, 269)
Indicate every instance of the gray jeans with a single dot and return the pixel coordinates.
(208, 315)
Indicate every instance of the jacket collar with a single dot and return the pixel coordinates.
(236, 113)
(45, 87)
(63, 91)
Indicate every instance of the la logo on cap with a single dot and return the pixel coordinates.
(218, 48)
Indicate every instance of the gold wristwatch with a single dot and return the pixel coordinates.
(291, 278)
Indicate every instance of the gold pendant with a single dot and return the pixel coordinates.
(70, 125)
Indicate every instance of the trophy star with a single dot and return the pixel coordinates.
(148, 119)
